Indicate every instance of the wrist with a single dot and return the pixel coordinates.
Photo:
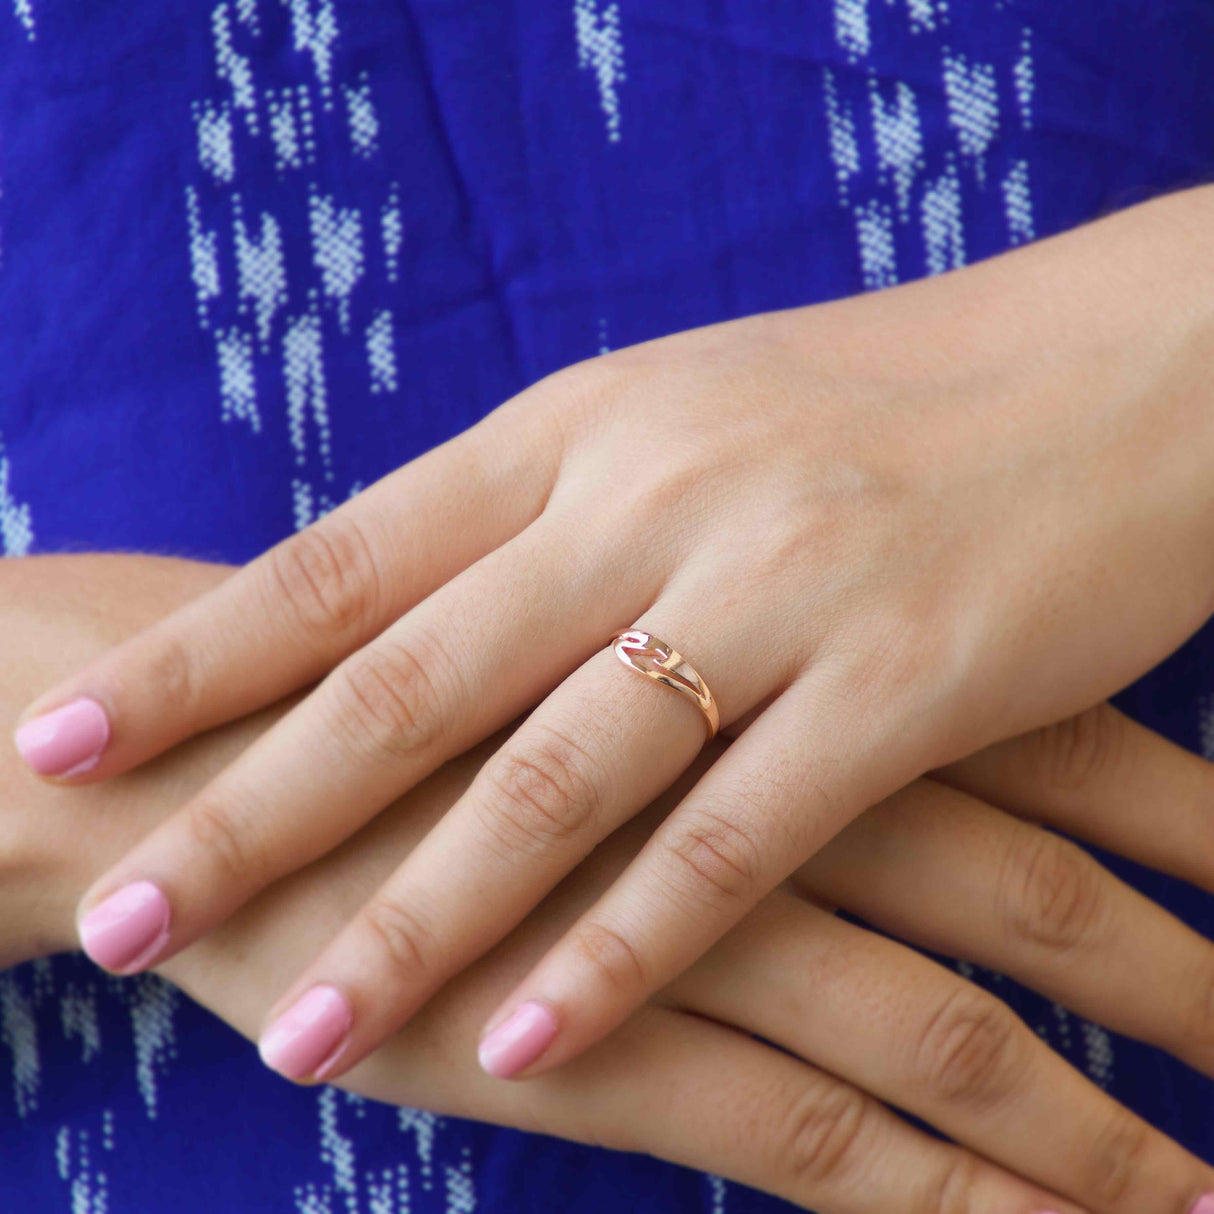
(1115, 323)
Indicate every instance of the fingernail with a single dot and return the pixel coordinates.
(310, 1036)
(519, 1040)
(67, 741)
(1204, 1205)
(126, 931)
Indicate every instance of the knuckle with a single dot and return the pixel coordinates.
(612, 957)
(400, 935)
(1119, 1156)
(1081, 750)
(387, 699)
(684, 480)
(217, 832)
(893, 652)
(717, 856)
(569, 405)
(819, 1135)
(327, 577)
(546, 793)
(583, 384)
(956, 1189)
(171, 670)
(1054, 893)
(970, 1051)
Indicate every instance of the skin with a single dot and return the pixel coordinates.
(886, 531)
(863, 1018)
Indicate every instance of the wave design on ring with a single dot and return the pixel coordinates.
(644, 653)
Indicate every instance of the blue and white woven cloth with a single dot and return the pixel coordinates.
(256, 253)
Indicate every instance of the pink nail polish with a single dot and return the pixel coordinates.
(67, 741)
(1204, 1205)
(519, 1040)
(310, 1036)
(127, 931)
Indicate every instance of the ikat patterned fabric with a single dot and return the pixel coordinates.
(254, 254)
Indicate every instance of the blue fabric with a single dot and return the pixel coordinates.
(256, 253)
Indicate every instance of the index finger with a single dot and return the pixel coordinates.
(289, 616)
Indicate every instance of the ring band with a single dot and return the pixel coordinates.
(647, 655)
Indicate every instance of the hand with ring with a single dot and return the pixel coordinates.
(882, 534)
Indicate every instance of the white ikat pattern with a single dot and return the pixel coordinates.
(273, 329)
(600, 50)
(899, 204)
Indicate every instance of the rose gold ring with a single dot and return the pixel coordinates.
(648, 656)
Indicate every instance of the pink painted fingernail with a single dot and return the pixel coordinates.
(1204, 1205)
(67, 741)
(128, 929)
(310, 1036)
(518, 1041)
